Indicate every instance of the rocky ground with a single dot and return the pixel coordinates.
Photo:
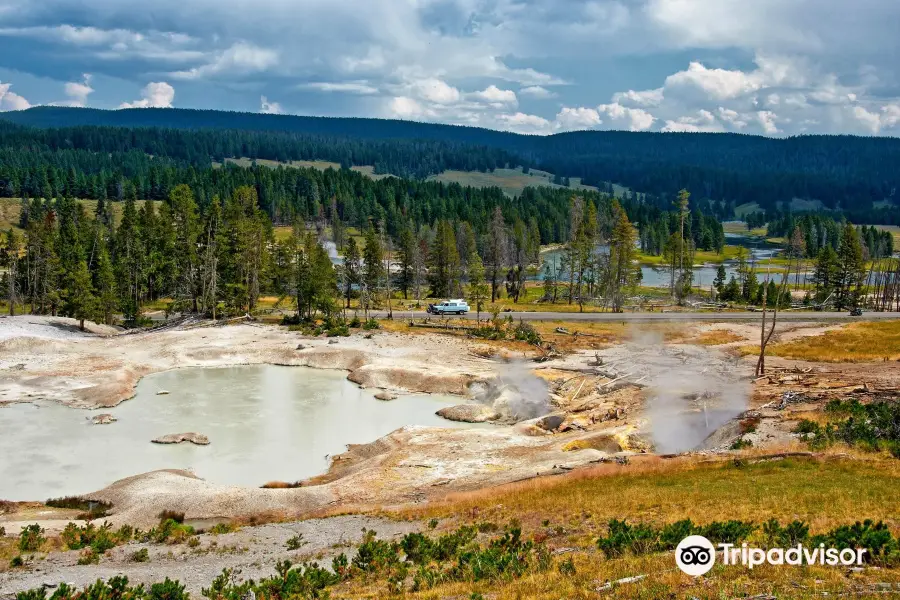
(251, 551)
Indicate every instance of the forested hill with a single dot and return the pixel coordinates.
(843, 172)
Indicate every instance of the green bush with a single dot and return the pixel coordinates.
(527, 333)
(168, 590)
(790, 535)
(89, 557)
(142, 555)
(741, 444)
(31, 538)
(296, 542)
(874, 426)
(371, 324)
(169, 531)
(883, 548)
(375, 555)
(100, 538)
(221, 528)
(645, 539)
(807, 427)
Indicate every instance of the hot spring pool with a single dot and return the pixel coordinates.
(264, 423)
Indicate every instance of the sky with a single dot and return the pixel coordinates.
(766, 67)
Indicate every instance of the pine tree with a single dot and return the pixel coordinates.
(496, 250)
(80, 303)
(406, 255)
(478, 287)
(10, 260)
(443, 262)
(351, 269)
(105, 285)
(850, 268)
(373, 269)
(621, 257)
(719, 281)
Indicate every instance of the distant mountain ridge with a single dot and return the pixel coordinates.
(846, 172)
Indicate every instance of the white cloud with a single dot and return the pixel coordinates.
(437, 91)
(495, 95)
(718, 84)
(872, 121)
(731, 116)
(636, 119)
(537, 91)
(525, 123)
(154, 95)
(360, 88)
(403, 107)
(577, 118)
(239, 59)
(269, 108)
(78, 92)
(643, 98)
(767, 121)
(10, 100)
(702, 121)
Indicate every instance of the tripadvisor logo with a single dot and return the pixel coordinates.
(696, 555)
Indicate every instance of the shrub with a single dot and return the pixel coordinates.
(175, 515)
(32, 538)
(337, 331)
(221, 528)
(783, 537)
(89, 557)
(567, 567)
(374, 555)
(168, 590)
(142, 555)
(807, 427)
(874, 426)
(371, 324)
(17, 561)
(169, 531)
(644, 539)
(882, 547)
(741, 444)
(355, 323)
(527, 333)
(341, 566)
(296, 542)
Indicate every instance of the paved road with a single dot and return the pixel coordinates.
(658, 316)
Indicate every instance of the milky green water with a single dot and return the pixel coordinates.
(264, 423)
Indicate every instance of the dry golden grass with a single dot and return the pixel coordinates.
(572, 511)
(858, 342)
(715, 338)
(11, 208)
(663, 580)
(894, 230)
(824, 492)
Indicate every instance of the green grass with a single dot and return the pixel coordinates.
(511, 181)
(700, 257)
(743, 210)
